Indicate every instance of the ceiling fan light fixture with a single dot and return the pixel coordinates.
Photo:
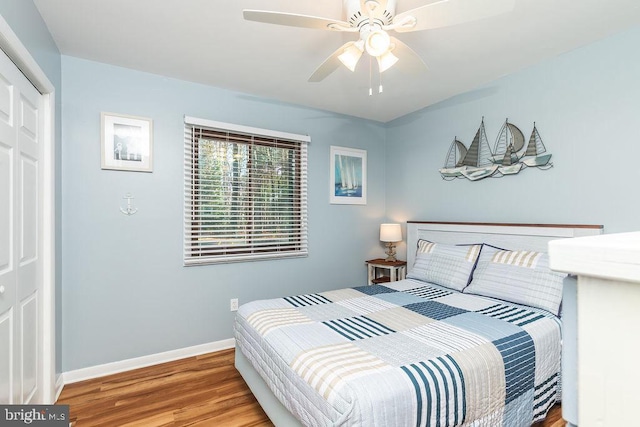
(377, 43)
(350, 56)
(386, 61)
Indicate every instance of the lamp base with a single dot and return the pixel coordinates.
(391, 252)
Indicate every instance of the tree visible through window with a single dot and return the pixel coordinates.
(245, 196)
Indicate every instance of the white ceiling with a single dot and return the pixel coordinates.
(208, 41)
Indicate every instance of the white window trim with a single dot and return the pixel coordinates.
(245, 129)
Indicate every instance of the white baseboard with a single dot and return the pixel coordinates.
(59, 386)
(143, 361)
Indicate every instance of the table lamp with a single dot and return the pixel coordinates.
(390, 234)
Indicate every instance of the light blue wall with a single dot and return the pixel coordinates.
(126, 293)
(586, 105)
(25, 20)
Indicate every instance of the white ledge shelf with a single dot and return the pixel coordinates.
(609, 256)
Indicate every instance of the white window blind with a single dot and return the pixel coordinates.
(245, 194)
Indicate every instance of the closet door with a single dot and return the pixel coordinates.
(21, 279)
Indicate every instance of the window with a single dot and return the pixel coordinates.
(245, 193)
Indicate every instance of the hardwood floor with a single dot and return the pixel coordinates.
(198, 391)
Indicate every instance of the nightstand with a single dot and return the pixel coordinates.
(381, 271)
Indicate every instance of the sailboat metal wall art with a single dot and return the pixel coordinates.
(508, 157)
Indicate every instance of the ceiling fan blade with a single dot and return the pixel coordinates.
(329, 65)
(452, 12)
(294, 20)
(409, 61)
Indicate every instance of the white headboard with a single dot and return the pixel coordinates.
(508, 236)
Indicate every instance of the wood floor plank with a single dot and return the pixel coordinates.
(198, 391)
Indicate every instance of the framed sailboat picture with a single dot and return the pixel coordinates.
(348, 174)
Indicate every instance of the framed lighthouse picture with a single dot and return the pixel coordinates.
(348, 172)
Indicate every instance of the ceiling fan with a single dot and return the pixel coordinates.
(372, 19)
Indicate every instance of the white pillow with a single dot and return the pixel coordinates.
(522, 277)
(445, 265)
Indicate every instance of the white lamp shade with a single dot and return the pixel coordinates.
(386, 61)
(350, 57)
(377, 43)
(390, 233)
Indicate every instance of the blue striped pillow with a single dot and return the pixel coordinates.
(445, 265)
(522, 277)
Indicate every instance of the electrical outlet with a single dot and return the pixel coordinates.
(233, 304)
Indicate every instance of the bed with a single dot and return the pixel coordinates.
(471, 337)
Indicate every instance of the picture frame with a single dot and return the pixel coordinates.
(126, 143)
(348, 172)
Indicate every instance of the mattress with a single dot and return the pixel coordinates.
(406, 353)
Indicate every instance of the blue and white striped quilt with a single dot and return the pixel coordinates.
(404, 354)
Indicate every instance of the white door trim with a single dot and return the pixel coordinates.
(18, 53)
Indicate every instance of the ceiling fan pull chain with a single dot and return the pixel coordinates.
(380, 87)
